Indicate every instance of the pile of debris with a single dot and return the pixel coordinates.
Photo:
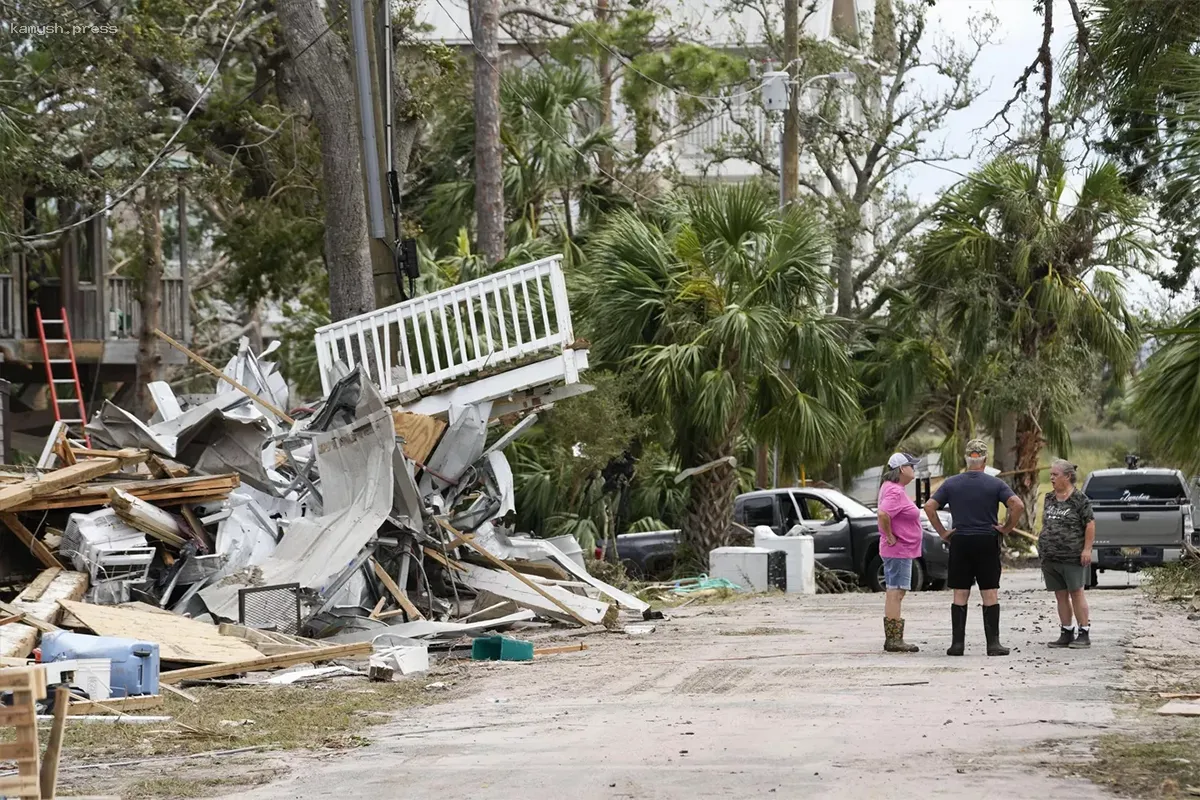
(236, 536)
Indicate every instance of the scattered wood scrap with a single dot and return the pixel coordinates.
(179, 638)
(567, 648)
(1181, 708)
(269, 643)
(115, 705)
(28, 490)
(267, 662)
(147, 518)
(163, 492)
(420, 433)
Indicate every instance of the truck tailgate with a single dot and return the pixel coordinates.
(1138, 525)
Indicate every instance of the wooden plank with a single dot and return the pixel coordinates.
(267, 662)
(269, 643)
(27, 736)
(448, 563)
(550, 651)
(1180, 708)
(34, 590)
(115, 705)
(48, 774)
(396, 591)
(43, 604)
(541, 570)
(30, 619)
(35, 545)
(175, 690)
(459, 538)
(421, 433)
(378, 607)
(12, 619)
(179, 638)
(84, 471)
(147, 518)
(160, 492)
(20, 786)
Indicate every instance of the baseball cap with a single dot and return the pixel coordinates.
(901, 460)
(977, 447)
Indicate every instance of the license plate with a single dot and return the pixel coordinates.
(1131, 551)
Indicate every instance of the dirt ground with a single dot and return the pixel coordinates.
(780, 695)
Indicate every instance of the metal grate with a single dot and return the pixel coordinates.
(275, 608)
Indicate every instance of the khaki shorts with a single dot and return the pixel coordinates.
(1063, 577)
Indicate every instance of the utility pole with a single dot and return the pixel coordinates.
(789, 173)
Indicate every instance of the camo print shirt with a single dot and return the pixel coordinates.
(1064, 523)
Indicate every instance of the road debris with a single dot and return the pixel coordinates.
(235, 533)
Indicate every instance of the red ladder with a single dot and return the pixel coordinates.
(56, 381)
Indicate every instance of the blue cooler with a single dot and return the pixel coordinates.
(134, 663)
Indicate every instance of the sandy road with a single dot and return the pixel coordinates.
(780, 696)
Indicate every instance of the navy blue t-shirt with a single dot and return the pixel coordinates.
(973, 498)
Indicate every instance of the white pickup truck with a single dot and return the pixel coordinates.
(1143, 517)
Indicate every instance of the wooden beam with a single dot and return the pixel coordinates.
(448, 563)
(48, 774)
(35, 545)
(116, 705)
(550, 651)
(396, 591)
(266, 662)
(459, 538)
(222, 376)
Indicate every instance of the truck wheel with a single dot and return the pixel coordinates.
(874, 575)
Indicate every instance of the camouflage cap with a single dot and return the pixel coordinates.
(977, 448)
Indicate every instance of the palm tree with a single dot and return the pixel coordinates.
(714, 304)
(1030, 289)
(1166, 395)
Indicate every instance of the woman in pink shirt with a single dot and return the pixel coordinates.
(899, 543)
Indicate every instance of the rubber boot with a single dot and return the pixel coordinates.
(958, 625)
(1065, 637)
(893, 641)
(991, 629)
(1083, 640)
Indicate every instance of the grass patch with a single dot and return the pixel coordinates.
(275, 717)
(185, 786)
(1160, 767)
(761, 630)
(1174, 580)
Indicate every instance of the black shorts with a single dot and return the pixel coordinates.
(974, 558)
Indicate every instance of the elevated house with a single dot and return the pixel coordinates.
(74, 274)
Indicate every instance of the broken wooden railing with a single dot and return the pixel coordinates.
(517, 316)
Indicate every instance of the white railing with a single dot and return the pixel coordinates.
(429, 340)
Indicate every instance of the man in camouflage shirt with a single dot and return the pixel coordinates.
(1065, 547)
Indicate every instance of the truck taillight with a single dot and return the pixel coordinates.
(1189, 527)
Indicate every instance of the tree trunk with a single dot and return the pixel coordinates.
(710, 511)
(323, 72)
(604, 66)
(844, 264)
(150, 297)
(1029, 451)
(489, 178)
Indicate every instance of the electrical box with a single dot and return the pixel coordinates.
(775, 87)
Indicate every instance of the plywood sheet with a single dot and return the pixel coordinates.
(178, 638)
(420, 433)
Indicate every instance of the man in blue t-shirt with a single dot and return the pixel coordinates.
(973, 498)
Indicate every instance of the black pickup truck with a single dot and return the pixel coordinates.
(845, 536)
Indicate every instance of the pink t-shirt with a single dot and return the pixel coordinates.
(906, 523)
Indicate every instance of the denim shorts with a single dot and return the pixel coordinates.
(897, 573)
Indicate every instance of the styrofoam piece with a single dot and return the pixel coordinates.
(310, 674)
(403, 656)
(801, 560)
(92, 675)
(745, 566)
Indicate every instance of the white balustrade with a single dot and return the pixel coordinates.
(515, 316)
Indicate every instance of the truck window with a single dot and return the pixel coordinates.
(759, 511)
(815, 510)
(1135, 488)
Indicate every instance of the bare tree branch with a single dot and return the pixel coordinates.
(537, 14)
(1047, 61)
